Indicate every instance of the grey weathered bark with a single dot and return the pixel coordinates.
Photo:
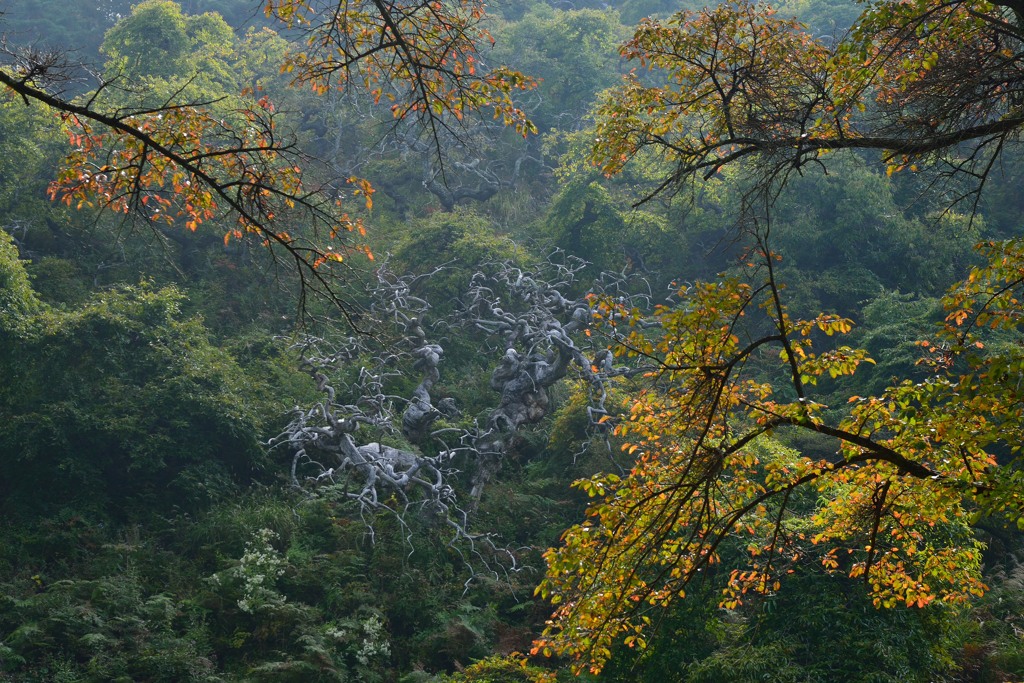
(539, 322)
(323, 438)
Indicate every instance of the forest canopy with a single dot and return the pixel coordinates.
(720, 325)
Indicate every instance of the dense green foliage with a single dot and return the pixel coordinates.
(148, 532)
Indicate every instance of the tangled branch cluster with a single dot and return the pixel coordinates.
(540, 324)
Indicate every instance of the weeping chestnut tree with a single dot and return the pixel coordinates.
(936, 88)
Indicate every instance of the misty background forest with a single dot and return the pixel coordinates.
(222, 462)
